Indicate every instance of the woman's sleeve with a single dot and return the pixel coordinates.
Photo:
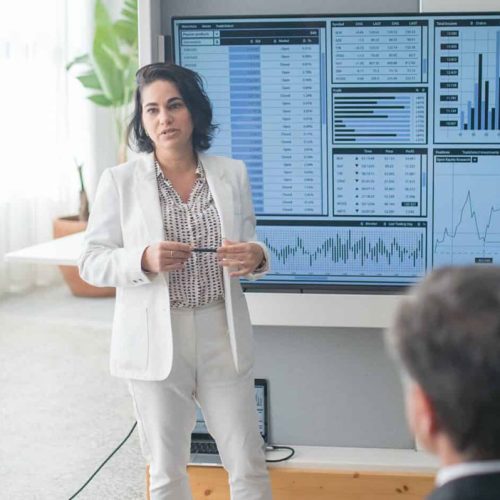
(249, 225)
(104, 261)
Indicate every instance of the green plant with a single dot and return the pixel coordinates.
(111, 65)
(83, 211)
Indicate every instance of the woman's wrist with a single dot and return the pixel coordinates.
(261, 266)
(144, 263)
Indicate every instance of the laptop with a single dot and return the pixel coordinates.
(203, 448)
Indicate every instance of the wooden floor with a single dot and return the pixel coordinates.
(210, 483)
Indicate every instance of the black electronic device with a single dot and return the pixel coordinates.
(203, 447)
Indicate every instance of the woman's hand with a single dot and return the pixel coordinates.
(165, 256)
(244, 258)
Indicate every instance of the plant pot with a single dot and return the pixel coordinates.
(64, 226)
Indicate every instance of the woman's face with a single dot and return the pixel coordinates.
(165, 117)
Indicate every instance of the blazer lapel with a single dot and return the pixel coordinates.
(146, 189)
(221, 193)
(147, 194)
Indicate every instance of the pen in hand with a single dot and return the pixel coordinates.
(204, 250)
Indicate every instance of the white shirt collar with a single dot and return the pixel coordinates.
(200, 172)
(451, 472)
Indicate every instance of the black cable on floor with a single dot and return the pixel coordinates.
(276, 448)
(268, 448)
(105, 461)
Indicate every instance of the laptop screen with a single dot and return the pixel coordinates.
(200, 430)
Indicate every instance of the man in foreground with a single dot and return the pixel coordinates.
(446, 337)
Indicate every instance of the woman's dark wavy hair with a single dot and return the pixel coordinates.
(190, 86)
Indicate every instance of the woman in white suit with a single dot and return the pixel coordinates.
(174, 230)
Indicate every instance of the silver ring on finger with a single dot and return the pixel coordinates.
(171, 253)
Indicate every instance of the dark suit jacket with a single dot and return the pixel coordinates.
(476, 487)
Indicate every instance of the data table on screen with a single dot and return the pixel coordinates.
(379, 51)
(269, 107)
(380, 182)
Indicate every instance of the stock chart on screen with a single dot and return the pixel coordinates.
(372, 142)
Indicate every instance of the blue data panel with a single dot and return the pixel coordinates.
(264, 82)
(349, 126)
(379, 115)
(467, 81)
(375, 51)
(380, 182)
(372, 252)
(466, 206)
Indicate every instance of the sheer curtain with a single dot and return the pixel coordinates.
(38, 177)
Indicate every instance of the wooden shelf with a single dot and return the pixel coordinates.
(323, 473)
(210, 483)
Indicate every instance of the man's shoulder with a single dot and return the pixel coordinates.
(474, 487)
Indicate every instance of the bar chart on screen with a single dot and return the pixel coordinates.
(467, 90)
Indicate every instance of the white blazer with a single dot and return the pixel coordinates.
(124, 220)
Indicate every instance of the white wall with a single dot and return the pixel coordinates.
(459, 5)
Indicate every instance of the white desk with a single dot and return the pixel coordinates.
(271, 309)
(61, 251)
(371, 459)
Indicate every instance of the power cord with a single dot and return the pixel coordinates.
(105, 461)
(268, 448)
(276, 448)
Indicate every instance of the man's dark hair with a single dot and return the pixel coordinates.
(190, 86)
(447, 337)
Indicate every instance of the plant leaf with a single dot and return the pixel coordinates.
(100, 100)
(119, 60)
(90, 81)
(126, 31)
(126, 27)
(129, 79)
(108, 74)
(113, 60)
(129, 11)
(83, 59)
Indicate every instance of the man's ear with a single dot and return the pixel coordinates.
(421, 416)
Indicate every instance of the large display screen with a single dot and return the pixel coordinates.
(372, 143)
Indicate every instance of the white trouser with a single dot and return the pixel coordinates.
(202, 369)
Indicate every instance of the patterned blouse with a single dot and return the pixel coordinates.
(196, 222)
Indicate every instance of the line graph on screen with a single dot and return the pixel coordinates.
(467, 211)
(368, 249)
